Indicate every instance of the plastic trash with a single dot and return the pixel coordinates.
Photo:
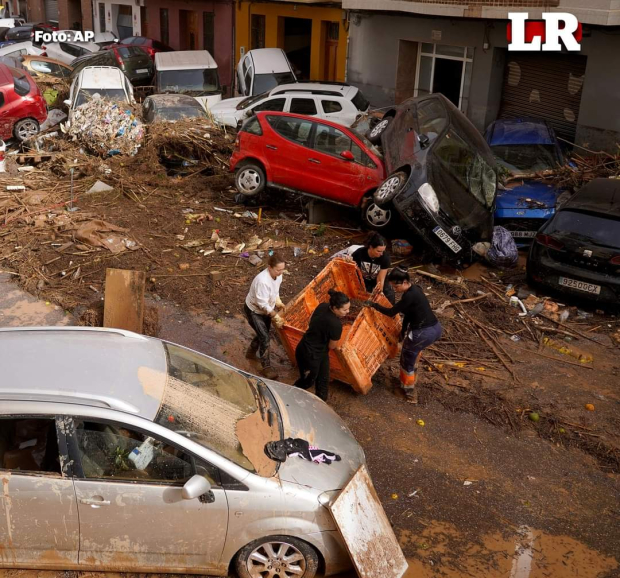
(503, 252)
(297, 251)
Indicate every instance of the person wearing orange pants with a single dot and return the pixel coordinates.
(420, 326)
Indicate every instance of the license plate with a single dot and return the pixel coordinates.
(447, 239)
(580, 285)
(523, 234)
(142, 70)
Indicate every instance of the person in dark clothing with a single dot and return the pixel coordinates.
(420, 327)
(374, 261)
(324, 332)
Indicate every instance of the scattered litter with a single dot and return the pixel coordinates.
(420, 422)
(515, 338)
(255, 260)
(98, 233)
(534, 416)
(590, 406)
(401, 247)
(183, 266)
(297, 251)
(223, 210)
(249, 215)
(100, 187)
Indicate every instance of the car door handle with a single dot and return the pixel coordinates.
(272, 147)
(94, 502)
(315, 161)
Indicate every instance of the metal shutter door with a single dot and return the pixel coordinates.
(51, 10)
(547, 86)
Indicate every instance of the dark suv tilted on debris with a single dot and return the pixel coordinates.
(442, 175)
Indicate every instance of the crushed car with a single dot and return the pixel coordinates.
(524, 148)
(577, 252)
(442, 176)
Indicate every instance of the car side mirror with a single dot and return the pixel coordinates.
(195, 487)
(67, 102)
(424, 141)
(347, 155)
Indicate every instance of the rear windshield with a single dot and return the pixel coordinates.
(196, 82)
(265, 82)
(595, 229)
(129, 51)
(114, 94)
(360, 102)
(528, 158)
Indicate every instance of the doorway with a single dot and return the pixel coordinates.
(331, 32)
(124, 22)
(447, 79)
(188, 29)
(297, 40)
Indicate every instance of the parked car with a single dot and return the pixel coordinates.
(150, 46)
(68, 51)
(577, 252)
(20, 33)
(191, 72)
(106, 81)
(45, 68)
(105, 39)
(148, 437)
(262, 69)
(22, 107)
(170, 108)
(135, 63)
(523, 148)
(20, 49)
(335, 102)
(313, 157)
(442, 175)
(11, 22)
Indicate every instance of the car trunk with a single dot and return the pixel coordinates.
(307, 417)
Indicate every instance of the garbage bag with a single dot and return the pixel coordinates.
(503, 252)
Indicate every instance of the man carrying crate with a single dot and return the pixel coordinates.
(261, 307)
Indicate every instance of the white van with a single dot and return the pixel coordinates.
(191, 72)
(262, 69)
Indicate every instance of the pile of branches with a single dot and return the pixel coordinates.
(192, 139)
(60, 85)
(586, 169)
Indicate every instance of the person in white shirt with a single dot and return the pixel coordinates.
(261, 307)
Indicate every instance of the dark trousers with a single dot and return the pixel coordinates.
(261, 325)
(388, 290)
(313, 370)
(415, 342)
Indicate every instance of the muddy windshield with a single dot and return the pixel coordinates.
(525, 159)
(265, 82)
(193, 82)
(219, 408)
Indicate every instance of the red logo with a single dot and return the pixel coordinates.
(534, 35)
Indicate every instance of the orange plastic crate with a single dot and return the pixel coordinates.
(365, 345)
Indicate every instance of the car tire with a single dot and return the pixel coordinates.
(376, 217)
(250, 179)
(374, 134)
(389, 188)
(275, 549)
(25, 128)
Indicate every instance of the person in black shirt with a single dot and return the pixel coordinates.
(420, 327)
(374, 261)
(324, 332)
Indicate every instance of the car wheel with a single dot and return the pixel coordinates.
(376, 217)
(374, 134)
(26, 128)
(277, 557)
(250, 180)
(390, 188)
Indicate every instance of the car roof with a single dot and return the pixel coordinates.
(268, 60)
(520, 131)
(184, 60)
(95, 367)
(165, 100)
(598, 196)
(316, 88)
(102, 77)
(28, 57)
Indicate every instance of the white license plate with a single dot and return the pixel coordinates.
(580, 285)
(142, 70)
(523, 234)
(447, 239)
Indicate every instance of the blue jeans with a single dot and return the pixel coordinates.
(415, 342)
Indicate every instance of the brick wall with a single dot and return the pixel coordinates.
(498, 3)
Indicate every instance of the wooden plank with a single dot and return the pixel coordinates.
(124, 299)
(366, 530)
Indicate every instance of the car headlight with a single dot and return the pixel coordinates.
(429, 197)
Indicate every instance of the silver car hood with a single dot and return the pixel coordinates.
(305, 416)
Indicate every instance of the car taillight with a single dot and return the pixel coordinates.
(549, 241)
(615, 260)
(118, 57)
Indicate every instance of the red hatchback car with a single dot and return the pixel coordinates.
(314, 157)
(22, 107)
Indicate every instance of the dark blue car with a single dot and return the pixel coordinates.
(523, 147)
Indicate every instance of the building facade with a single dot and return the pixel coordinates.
(400, 49)
(313, 35)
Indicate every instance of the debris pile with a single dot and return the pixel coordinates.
(105, 128)
(584, 170)
(54, 92)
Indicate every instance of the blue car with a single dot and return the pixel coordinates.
(523, 147)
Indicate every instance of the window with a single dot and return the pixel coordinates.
(252, 126)
(45, 67)
(29, 445)
(163, 25)
(130, 51)
(294, 129)
(193, 82)
(208, 32)
(331, 106)
(101, 16)
(303, 106)
(272, 104)
(432, 118)
(257, 39)
(113, 94)
(330, 140)
(113, 451)
(265, 82)
(360, 102)
(72, 50)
